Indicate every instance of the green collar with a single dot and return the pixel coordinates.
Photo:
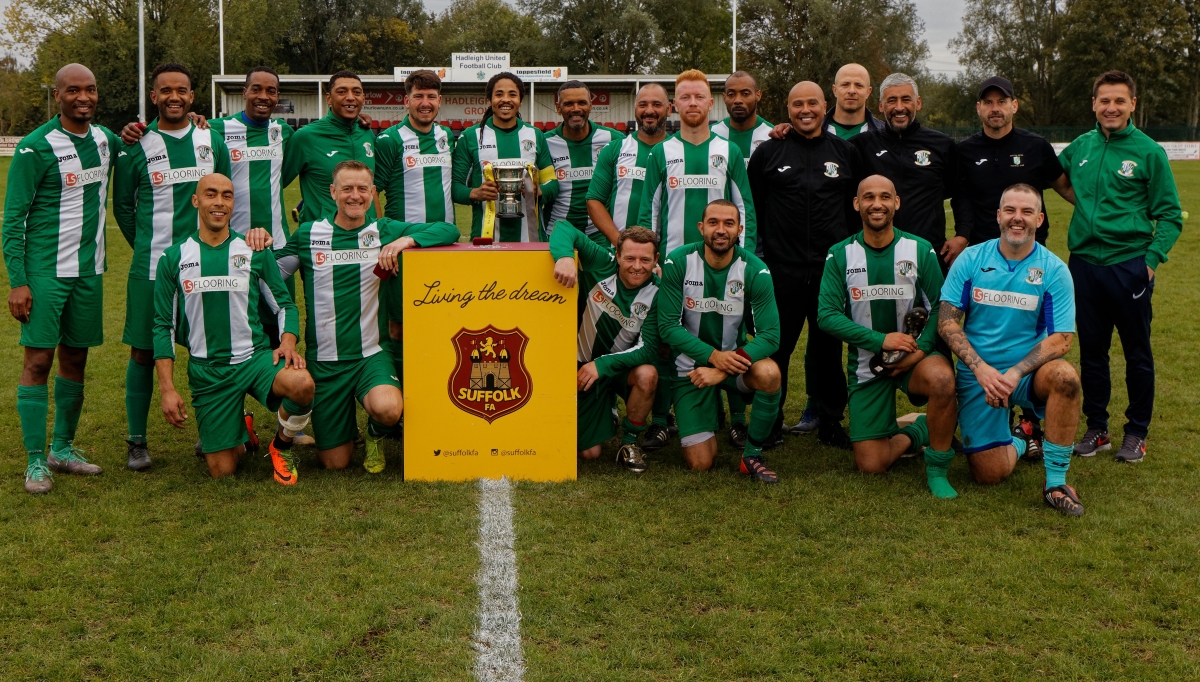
(1123, 132)
(338, 121)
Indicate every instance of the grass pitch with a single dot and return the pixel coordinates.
(668, 576)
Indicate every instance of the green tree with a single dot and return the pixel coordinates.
(599, 36)
(694, 35)
(487, 26)
(22, 102)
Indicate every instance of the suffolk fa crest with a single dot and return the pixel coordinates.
(489, 378)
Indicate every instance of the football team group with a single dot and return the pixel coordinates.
(700, 256)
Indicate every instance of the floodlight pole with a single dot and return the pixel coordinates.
(221, 22)
(142, 61)
(734, 60)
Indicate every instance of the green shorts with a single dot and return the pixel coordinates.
(139, 314)
(696, 408)
(219, 395)
(66, 310)
(339, 384)
(873, 406)
(596, 423)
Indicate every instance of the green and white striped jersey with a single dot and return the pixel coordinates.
(54, 207)
(618, 325)
(701, 309)
(256, 159)
(341, 290)
(153, 186)
(206, 299)
(485, 142)
(415, 171)
(745, 140)
(682, 178)
(866, 292)
(574, 164)
(619, 178)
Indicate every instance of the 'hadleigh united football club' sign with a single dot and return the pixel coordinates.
(489, 365)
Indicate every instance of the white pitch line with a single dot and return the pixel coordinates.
(498, 639)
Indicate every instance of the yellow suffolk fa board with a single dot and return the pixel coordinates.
(489, 365)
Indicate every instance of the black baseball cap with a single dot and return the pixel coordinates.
(999, 83)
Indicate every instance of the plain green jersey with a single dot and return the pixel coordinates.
(574, 166)
(618, 326)
(702, 309)
(153, 184)
(316, 149)
(485, 143)
(342, 292)
(619, 178)
(745, 140)
(206, 299)
(682, 178)
(866, 292)
(54, 207)
(256, 153)
(414, 171)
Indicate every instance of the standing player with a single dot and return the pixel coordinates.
(692, 168)
(618, 335)
(998, 157)
(804, 187)
(713, 295)
(574, 147)
(1019, 304)
(153, 186)
(921, 162)
(320, 146)
(743, 127)
(54, 212)
(206, 299)
(502, 135)
(340, 258)
(1127, 217)
(872, 283)
(413, 170)
(614, 200)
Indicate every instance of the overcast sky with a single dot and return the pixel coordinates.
(943, 19)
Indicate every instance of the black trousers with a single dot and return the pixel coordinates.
(1107, 297)
(796, 297)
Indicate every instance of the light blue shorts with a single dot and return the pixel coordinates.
(985, 427)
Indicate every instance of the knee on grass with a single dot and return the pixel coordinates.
(591, 453)
(990, 467)
(872, 456)
(699, 450)
(336, 458)
(224, 462)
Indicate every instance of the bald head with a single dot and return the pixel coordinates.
(877, 203)
(76, 94)
(851, 90)
(806, 108)
(214, 202)
(73, 74)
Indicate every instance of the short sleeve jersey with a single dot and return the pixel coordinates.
(618, 179)
(746, 140)
(1010, 305)
(485, 143)
(414, 171)
(256, 160)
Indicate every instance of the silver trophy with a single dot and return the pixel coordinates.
(914, 324)
(510, 184)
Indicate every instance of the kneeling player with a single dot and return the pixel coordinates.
(712, 294)
(1018, 301)
(873, 291)
(341, 259)
(206, 298)
(618, 335)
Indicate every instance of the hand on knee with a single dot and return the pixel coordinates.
(766, 375)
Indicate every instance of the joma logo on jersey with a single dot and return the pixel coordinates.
(693, 182)
(344, 257)
(490, 379)
(155, 159)
(572, 174)
(1127, 168)
(68, 157)
(635, 173)
(426, 160)
(853, 271)
(175, 176)
(882, 292)
(84, 177)
(560, 159)
(922, 157)
(200, 285)
(1004, 299)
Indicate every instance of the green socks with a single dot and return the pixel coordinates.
(33, 406)
(918, 432)
(375, 429)
(762, 419)
(737, 408)
(662, 403)
(139, 387)
(68, 404)
(1056, 459)
(632, 431)
(937, 464)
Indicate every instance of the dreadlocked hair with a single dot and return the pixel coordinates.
(487, 94)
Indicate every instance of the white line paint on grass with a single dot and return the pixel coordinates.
(498, 639)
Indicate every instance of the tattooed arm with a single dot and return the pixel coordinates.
(997, 386)
(1050, 348)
